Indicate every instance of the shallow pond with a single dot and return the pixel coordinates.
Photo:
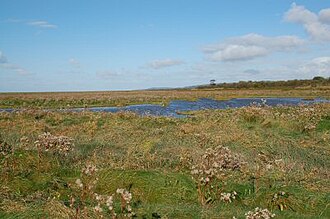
(174, 108)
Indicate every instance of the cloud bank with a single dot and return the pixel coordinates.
(317, 26)
(317, 66)
(164, 63)
(250, 46)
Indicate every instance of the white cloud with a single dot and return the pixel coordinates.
(13, 20)
(13, 67)
(250, 46)
(3, 58)
(4, 64)
(164, 63)
(36, 23)
(108, 74)
(238, 52)
(299, 14)
(324, 16)
(316, 25)
(41, 24)
(318, 66)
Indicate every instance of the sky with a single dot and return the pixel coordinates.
(62, 45)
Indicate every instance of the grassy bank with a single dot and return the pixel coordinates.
(282, 157)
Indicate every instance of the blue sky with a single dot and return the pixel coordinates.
(123, 45)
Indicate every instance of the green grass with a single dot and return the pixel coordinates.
(324, 124)
(152, 157)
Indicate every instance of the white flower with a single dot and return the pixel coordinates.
(98, 208)
(120, 191)
(79, 183)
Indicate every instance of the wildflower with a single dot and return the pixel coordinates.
(259, 213)
(119, 191)
(97, 197)
(126, 199)
(194, 172)
(98, 208)
(79, 183)
(214, 162)
(72, 201)
(269, 167)
(126, 195)
(109, 202)
(227, 197)
(89, 170)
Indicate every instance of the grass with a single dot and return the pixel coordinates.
(163, 97)
(284, 149)
(324, 124)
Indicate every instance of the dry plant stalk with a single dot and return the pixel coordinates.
(60, 145)
(214, 164)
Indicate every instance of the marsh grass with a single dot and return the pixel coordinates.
(151, 157)
(162, 97)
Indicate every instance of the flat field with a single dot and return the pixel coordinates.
(213, 164)
(123, 98)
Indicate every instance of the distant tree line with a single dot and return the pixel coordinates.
(315, 82)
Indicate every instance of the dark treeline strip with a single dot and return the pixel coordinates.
(315, 82)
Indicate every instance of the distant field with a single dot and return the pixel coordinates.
(213, 164)
(122, 98)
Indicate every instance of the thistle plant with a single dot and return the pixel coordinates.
(24, 142)
(85, 189)
(102, 205)
(214, 164)
(265, 164)
(59, 145)
(259, 213)
(104, 202)
(5, 149)
(280, 200)
(126, 198)
(228, 197)
(6, 158)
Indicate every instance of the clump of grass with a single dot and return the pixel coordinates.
(84, 197)
(254, 113)
(59, 145)
(5, 148)
(7, 159)
(214, 164)
(281, 200)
